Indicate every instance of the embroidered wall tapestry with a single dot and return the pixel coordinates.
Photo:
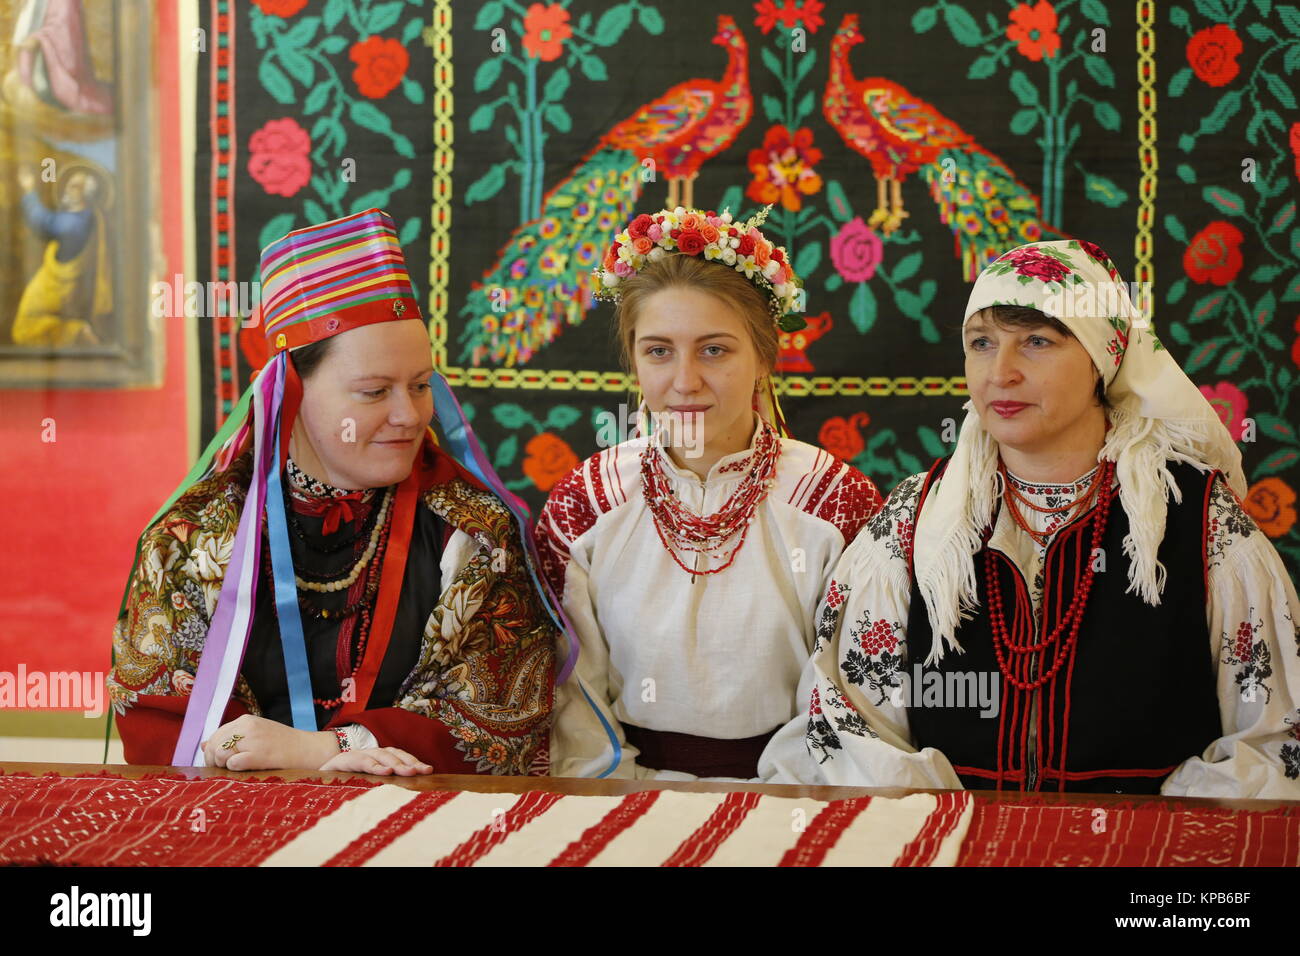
(510, 140)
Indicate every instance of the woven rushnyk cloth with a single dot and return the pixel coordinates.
(106, 821)
(167, 820)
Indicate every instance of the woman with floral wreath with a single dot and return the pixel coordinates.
(1084, 547)
(691, 557)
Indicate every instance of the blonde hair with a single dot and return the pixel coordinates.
(678, 270)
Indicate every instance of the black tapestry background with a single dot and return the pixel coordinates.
(1168, 134)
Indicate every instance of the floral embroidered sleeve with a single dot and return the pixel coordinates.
(1254, 623)
(855, 729)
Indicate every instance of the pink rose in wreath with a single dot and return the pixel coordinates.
(280, 157)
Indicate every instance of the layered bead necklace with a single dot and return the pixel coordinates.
(681, 530)
(1014, 499)
(1003, 644)
(354, 618)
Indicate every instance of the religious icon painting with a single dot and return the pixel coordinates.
(76, 194)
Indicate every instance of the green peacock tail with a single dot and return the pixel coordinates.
(988, 210)
(542, 280)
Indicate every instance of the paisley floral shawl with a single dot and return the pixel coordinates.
(484, 677)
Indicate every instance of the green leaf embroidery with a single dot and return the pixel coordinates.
(1224, 200)
(489, 14)
(1107, 116)
(924, 19)
(487, 73)
(277, 228)
(1175, 228)
(1100, 70)
(961, 25)
(611, 25)
(1023, 121)
(487, 185)
(1024, 90)
(412, 30)
(410, 230)
(557, 85)
(1207, 307)
(558, 117)
(651, 20)
(808, 259)
(383, 16)
(907, 267)
(276, 83)
(862, 308)
(514, 417)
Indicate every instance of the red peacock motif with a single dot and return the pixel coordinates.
(542, 279)
(979, 198)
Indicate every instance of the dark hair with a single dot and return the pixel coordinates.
(1023, 317)
(308, 358)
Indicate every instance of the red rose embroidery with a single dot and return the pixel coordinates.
(1214, 254)
(840, 436)
(381, 64)
(1037, 265)
(279, 157)
(280, 8)
(549, 458)
(1212, 53)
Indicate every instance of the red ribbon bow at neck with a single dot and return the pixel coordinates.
(335, 510)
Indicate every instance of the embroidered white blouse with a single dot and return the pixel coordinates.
(857, 733)
(713, 655)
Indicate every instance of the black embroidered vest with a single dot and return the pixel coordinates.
(1134, 696)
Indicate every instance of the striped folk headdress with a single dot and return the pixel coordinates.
(329, 278)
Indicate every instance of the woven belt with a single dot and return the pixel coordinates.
(701, 756)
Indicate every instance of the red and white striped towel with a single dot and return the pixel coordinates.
(391, 826)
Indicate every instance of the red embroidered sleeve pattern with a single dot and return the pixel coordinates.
(850, 504)
(567, 514)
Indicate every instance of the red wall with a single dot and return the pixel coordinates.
(71, 510)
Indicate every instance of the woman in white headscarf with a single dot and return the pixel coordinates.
(1074, 599)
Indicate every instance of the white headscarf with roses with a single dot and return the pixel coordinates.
(1156, 416)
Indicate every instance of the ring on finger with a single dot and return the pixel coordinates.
(230, 743)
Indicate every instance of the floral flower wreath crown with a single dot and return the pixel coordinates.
(716, 237)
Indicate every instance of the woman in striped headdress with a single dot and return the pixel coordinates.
(329, 588)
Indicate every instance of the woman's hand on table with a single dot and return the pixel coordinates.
(379, 760)
(264, 744)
